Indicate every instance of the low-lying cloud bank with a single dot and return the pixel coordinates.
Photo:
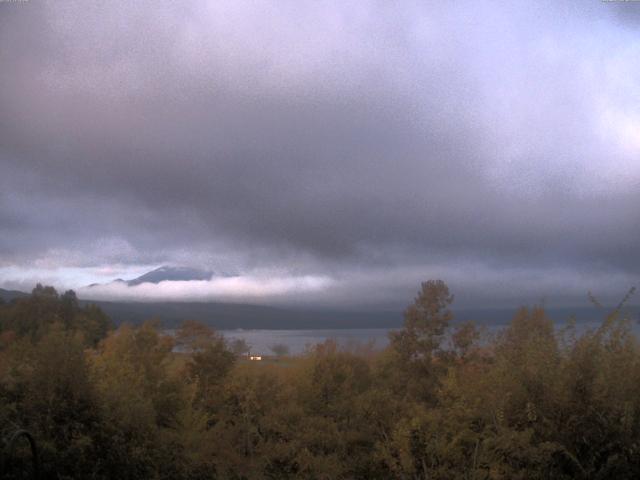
(227, 289)
(473, 284)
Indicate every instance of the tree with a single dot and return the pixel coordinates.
(35, 315)
(49, 392)
(193, 336)
(239, 346)
(464, 338)
(141, 402)
(418, 343)
(208, 367)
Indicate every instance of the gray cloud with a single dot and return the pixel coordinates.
(319, 139)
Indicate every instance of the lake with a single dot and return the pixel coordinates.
(298, 341)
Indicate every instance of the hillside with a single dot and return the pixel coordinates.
(246, 316)
(8, 295)
(232, 315)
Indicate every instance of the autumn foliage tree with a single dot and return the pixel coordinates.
(417, 345)
(442, 401)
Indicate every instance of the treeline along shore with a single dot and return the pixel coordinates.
(442, 401)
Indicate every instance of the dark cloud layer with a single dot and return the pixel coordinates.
(372, 145)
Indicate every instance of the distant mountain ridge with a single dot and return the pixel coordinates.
(169, 273)
(235, 315)
(8, 295)
(176, 274)
(247, 316)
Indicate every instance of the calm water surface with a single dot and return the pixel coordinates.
(297, 341)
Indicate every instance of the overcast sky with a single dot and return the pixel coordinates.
(334, 153)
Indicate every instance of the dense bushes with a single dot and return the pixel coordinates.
(440, 403)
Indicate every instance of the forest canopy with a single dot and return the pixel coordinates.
(444, 400)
